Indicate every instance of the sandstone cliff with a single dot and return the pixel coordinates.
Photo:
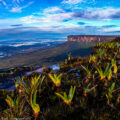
(90, 38)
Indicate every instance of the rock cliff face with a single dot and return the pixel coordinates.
(90, 38)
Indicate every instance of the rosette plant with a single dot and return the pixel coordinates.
(67, 98)
(92, 59)
(56, 79)
(114, 65)
(109, 95)
(15, 107)
(87, 70)
(34, 105)
(104, 73)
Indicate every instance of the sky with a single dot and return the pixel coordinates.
(55, 19)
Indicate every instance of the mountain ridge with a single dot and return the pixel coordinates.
(91, 38)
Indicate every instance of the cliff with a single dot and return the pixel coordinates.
(90, 38)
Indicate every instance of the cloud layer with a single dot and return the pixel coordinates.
(60, 17)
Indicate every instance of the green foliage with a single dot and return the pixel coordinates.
(15, 107)
(109, 95)
(87, 70)
(104, 73)
(114, 65)
(34, 105)
(92, 59)
(56, 79)
(86, 89)
(9, 101)
(67, 98)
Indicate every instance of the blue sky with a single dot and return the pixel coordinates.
(58, 18)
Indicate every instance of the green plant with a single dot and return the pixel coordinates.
(56, 79)
(34, 105)
(40, 83)
(86, 90)
(88, 71)
(109, 95)
(35, 81)
(69, 56)
(114, 65)
(20, 79)
(104, 73)
(34, 84)
(16, 83)
(15, 107)
(10, 101)
(92, 59)
(109, 76)
(101, 52)
(118, 99)
(67, 98)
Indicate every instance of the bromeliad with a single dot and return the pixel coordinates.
(109, 95)
(67, 98)
(10, 101)
(114, 65)
(35, 81)
(88, 71)
(109, 76)
(86, 89)
(56, 79)
(69, 56)
(34, 105)
(14, 106)
(104, 74)
(92, 59)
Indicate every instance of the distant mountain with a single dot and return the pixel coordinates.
(90, 38)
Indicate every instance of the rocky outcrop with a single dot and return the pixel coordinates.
(90, 38)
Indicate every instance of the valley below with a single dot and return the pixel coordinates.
(47, 56)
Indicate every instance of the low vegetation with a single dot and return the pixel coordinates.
(83, 89)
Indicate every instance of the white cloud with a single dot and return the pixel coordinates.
(17, 1)
(106, 13)
(19, 9)
(72, 1)
(49, 15)
(23, 44)
(2, 2)
(75, 2)
(14, 5)
(30, 19)
(16, 9)
(112, 29)
(55, 15)
(52, 10)
(103, 12)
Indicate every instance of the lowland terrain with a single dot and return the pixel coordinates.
(48, 56)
